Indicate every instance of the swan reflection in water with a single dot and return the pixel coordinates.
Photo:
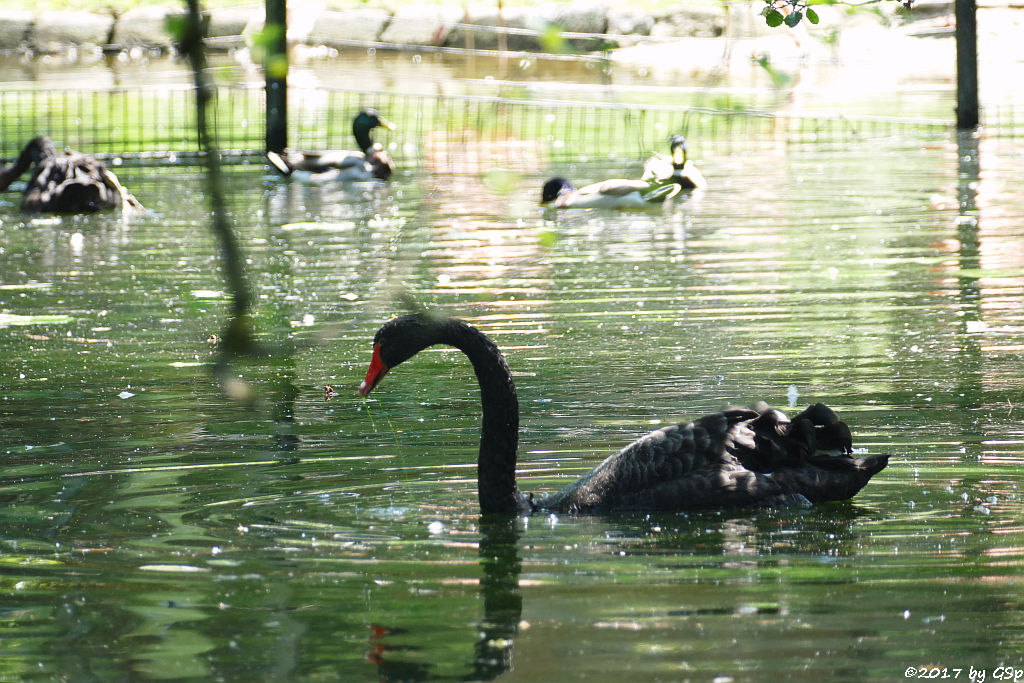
(502, 610)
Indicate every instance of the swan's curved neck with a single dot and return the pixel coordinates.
(14, 171)
(499, 435)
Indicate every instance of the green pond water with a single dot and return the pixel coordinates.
(153, 526)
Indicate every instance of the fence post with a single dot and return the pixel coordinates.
(966, 64)
(275, 68)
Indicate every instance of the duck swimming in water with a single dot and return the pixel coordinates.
(370, 162)
(675, 168)
(67, 182)
(616, 193)
(737, 457)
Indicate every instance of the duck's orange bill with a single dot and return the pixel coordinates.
(375, 374)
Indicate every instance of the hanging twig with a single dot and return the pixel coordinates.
(237, 339)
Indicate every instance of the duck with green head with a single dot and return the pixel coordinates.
(615, 193)
(369, 162)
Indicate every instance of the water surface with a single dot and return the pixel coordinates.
(156, 527)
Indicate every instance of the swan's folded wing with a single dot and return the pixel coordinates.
(689, 462)
(70, 183)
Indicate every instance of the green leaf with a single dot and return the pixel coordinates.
(552, 41)
(261, 43)
(812, 16)
(794, 19)
(268, 36)
(547, 238)
(276, 66)
(176, 25)
(773, 18)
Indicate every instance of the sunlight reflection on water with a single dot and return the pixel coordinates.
(354, 523)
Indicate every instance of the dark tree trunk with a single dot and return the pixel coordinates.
(275, 68)
(966, 64)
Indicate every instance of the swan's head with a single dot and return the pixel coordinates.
(396, 342)
(554, 188)
(677, 144)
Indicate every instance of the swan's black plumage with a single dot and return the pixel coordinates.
(67, 182)
(740, 456)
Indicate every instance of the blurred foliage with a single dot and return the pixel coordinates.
(262, 43)
(780, 79)
(552, 40)
(502, 180)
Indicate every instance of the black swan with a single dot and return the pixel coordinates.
(675, 168)
(739, 456)
(66, 182)
(370, 162)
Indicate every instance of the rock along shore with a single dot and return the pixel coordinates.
(611, 25)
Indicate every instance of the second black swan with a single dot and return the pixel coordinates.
(738, 457)
(65, 182)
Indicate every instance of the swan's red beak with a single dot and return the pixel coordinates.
(375, 374)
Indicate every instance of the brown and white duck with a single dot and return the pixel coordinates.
(370, 162)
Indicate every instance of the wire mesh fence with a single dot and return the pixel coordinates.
(128, 122)
(446, 130)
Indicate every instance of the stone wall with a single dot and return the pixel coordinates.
(415, 25)
(408, 26)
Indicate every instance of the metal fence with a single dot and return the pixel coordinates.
(444, 130)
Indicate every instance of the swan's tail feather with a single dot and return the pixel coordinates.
(810, 454)
(833, 478)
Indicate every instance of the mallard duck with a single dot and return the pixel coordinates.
(675, 168)
(616, 193)
(68, 182)
(370, 162)
(737, 457)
